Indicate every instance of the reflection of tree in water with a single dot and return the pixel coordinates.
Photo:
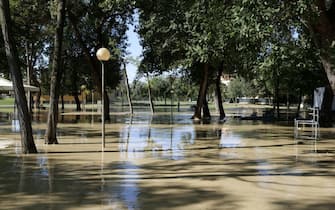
(45, 182)
(186, 138)
(229, 138)
(209, 133)
(58, 185)
(130, 123)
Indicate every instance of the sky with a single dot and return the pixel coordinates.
(135, 50)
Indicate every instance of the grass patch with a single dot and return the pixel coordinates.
(6, 101)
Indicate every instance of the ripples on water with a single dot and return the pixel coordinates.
(154, 160)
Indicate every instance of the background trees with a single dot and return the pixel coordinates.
(282, 49)
(27, 140)
(270, 41)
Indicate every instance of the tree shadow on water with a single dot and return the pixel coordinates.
(35, 182)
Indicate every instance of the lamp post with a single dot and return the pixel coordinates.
(103, 54)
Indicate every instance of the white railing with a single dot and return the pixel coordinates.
(303, 127)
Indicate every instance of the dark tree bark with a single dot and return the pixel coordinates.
(202, 93)
(323, 33)
(27, 140)
(205, 109)
(74, 90)
(76, 99)
(326, 115)
(218, 93)
(62, 102)
(56, 73)
(93, 63)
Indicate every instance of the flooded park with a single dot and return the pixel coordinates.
(167, 161)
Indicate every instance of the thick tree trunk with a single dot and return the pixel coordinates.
(51, 132)
(218, 93)
(152, 106)
(74, 89)
(131, 110)
(323, 33)
(27, 140)
(96, 71)
(62, 102)
(106, 107)
(205, 109)
(76, 99)
(326, 115)
(202, 93)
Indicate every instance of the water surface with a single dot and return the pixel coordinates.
(167, 162)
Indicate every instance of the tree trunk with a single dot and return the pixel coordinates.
(326, 115)
(205, 109)
(128, 90)
(27, 140)
(323, 33)
(96, 72)
(152, 107)
(50, 135)
(62, 102)
(218, 93)
(106, 107)
(76, 99)
(74, 89)
(202, 93)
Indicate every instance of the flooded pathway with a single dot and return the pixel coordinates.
(164, 162)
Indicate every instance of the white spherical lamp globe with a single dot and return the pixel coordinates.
(103, 54)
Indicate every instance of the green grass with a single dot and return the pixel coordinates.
(7, 105)
(6, 101)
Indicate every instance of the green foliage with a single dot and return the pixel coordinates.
(139, 90)
(258, 40)
(240, 87)
(163, 87)
(102, 23)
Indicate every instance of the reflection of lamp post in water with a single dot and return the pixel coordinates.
(171, 92)
(103, 54)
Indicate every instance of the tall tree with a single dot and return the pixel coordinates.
(102, 24)
(51, 132)
(179, 34)
(33, 35)
(323, 32)
(27, 140)
(130, 103)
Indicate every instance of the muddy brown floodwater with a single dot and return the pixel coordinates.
(159, 162)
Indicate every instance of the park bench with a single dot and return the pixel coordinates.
(310, 125)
